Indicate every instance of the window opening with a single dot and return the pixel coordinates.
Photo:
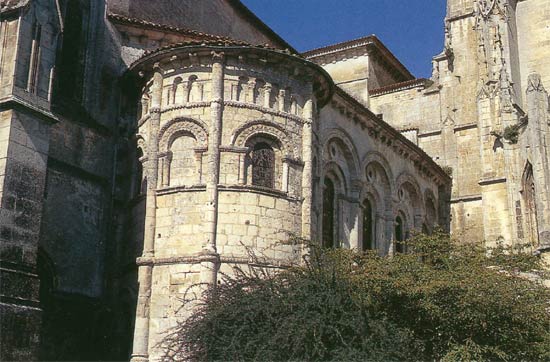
(263, 165)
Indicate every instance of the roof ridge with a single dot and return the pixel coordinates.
(339, 44)
(396, 86)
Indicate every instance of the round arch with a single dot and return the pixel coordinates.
(174, 128)
(345, 142)
(258, 127)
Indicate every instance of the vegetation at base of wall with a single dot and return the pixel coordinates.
(442, 300)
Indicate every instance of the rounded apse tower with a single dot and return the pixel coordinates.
(225, 138)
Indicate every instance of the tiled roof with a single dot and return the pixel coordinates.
(401, 86)
(225, 42)
(121, 19)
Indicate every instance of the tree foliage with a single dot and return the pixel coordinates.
(441, 301)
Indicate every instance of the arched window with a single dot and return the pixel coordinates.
(263, 162)
(328, 213)
(263, 165)
(368, 226)
(399, 235)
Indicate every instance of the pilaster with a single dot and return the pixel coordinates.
(538, 141)
(145, 272)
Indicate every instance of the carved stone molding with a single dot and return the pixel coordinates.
(252, 128)
(182, 125)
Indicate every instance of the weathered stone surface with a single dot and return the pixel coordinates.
(110, 213)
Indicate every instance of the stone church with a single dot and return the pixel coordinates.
(148, 146)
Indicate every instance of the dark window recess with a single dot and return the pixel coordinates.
(368, 226)
(263, 165)
(399, 235)
(328, 214)
(71, 54)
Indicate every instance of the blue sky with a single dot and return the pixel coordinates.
(411, 29)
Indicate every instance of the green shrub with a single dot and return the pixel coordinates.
(441, 301)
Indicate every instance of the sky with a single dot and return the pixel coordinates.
(411, 29)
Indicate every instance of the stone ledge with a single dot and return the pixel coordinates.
(213, 258)
(492, 181)
(469, 198)
(176, 189)
(259, 190)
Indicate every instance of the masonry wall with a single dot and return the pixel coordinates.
(365, 168)
(533, 22)
(25, 149)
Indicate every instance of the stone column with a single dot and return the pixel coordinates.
(198, 160)
(307, 177)
(209, 273)
(282, 100)
(267, 95)
(242, 168)
(286, 167)
(166, 163)
(356, 219)
(141, 333)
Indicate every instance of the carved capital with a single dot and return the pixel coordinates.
(218, 57)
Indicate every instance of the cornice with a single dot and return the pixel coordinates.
(386, 134)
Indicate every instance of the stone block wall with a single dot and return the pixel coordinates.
(533, 23)
(210, 200)
(24, 151)
(365, 166)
